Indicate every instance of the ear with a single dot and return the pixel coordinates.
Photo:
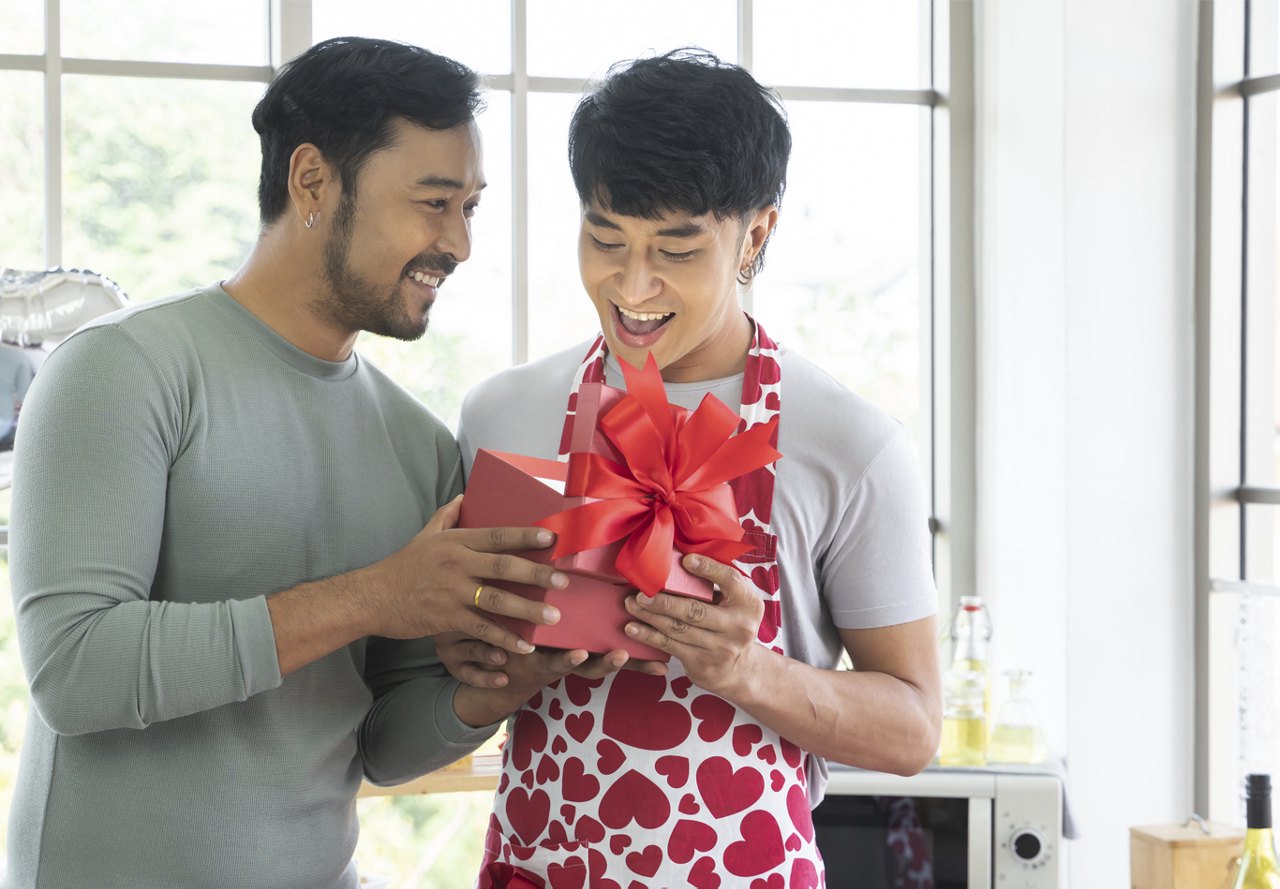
(313, 185)
(758, 228)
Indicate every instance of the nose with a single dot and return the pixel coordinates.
(636, 281)
(455, 237)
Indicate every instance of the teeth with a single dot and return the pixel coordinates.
(422, 278)
(644, 316)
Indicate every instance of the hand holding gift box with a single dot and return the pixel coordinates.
(646, 482)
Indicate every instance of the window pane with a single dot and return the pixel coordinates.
(232, 32)
(582, 38)
(842, 277)
(1262, 346)
(1245, 666)
(559, 312)
(23, 31)
(477, 33)
(22, 170)
(431, 841)
(1264, 35)
(469, 337)
(159, 180)
(858, 43)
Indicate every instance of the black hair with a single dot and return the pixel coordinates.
(343, 96)
(681, 132)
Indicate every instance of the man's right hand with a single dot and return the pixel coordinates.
(440, 582)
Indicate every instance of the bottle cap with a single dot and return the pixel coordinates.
(970, 603)
(1258, 785)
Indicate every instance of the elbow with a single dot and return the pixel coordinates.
(67, 713)
(919, 742)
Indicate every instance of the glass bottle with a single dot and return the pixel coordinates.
(966, 687)
(1017, 737)
(1258, 869)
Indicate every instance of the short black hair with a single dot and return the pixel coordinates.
(343, 96)
(680, 132)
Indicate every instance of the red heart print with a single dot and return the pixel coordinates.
(794, 843)
(775, 881)
(596, 860)
(791, 753)
(571, 874)
(611, 757)
(715, 714)
(568, 812)
(618, 842)
(633, 796)
(530, 737)
(703, 875)
(760, 848)
(645, 863)
(504, 782)
(580, 689)
(804, 875)
(776, 780)
(524, 853)
(726, 791)
(559, 745)
(635, 713)
(555, 710)
(688, 838)
(588, 830)
(674, 768)
(689, 805)
(680, 686)
(772, 402)
(534, 702)
(579, 725)
(527, 813)
(547, 770)
(578, 785)
(745, 737)
(556, 834)
(526, 778)
(798, 807)
(767, 754)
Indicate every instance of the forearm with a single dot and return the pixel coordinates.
(312, 620)
(866, 719)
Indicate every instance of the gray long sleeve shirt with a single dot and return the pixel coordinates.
(178, 462)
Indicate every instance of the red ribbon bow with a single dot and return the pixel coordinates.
(672, 488)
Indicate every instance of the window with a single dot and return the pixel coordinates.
(1238, 436)
(866, 275)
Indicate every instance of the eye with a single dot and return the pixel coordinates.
(469, 210)
(437, 204)
(601, 245)
(678, 257)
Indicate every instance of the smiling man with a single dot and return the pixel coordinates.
(705, 776)
(230, 532)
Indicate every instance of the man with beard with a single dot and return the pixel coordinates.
(231, 534)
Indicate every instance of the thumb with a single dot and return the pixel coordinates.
(446, 517)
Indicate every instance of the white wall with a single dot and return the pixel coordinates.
(1086, 121)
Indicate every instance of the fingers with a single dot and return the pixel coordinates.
(499, 601)
(477, 676)
(446, 516)
(513, 569)
(498, 540)
(724, 576)
(597, 666)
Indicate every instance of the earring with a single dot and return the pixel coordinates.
(311, 219)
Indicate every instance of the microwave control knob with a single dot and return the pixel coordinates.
(1027, 844)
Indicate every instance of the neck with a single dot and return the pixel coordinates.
(279, 283)
(724, 356)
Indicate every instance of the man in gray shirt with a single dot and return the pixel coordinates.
(231, 534)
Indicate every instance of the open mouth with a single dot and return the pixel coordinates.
(428, 278)
(642, 323)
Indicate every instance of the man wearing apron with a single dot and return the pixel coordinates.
(703, 774)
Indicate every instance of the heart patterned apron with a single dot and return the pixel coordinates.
(640, 782)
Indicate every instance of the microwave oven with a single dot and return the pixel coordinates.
(941, 829)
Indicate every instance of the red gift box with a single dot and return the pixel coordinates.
(518, 491)
(646, 482)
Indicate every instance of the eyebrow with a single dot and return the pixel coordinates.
(443, 182)
(685, 230)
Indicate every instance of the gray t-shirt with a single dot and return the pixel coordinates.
(178, 462)
(848, 504)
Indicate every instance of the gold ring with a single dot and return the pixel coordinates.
(479, 589)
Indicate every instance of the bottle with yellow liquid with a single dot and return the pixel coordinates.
(1017, 737)
(1258, 868)
(966, 688)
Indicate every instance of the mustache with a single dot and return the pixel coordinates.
(438, 262)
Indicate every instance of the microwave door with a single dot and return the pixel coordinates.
(980, 843)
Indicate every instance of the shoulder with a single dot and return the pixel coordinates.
(534, 382)
(820, 410)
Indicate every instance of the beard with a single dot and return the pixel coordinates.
(353, 302)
